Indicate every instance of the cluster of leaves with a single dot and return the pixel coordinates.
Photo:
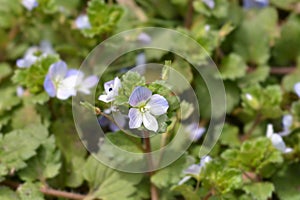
(39, 146)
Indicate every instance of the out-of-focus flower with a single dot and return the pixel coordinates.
(20, 91)
(195, 131)
(277, 140)
(57, 83)
(247, 4)
(297, 89)
(195, 169)
(145, 107)
(111, 89)
(209, 3)
(82, 84)
(207, 27)
(140, 59)
(83, 22)
(287, 122)
(30, 4)
(144, 38)
(30, 56)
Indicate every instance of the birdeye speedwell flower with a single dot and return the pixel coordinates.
(30, 4)
(111, 90)
(145, 107)
(82, 22)
(277, 140)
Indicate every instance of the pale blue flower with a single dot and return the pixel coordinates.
(209, 3)
(140, 59)
(30, 4)
(145, 107)
(195, 131)
(111, 90)
(255, 3)
(195, 169)
(30, 56)
(287, 122)
(20, 91)
(297, 89)
(144, 38)
(57, 83)
(82, 22)
(83, 84)
(277, 140)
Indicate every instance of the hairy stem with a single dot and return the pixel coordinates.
(153, 188)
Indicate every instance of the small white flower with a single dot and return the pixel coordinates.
(145, 107)
(82, 22)
(82, 84)
(207, 27)
(297, 89)
(277, 140)
(30, 4)
(111, 89)
(195, 169)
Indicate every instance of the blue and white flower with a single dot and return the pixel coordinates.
(195, 131)
(111, 90)
(145, 107)
(30, 4)
(57, 83)
(20, 91)
(247, 4)
(195, 169)
(209, 3)
(287, 122)
(83, 22)
(297, 89)
(277, 140)
(30, 56)
(82, 84)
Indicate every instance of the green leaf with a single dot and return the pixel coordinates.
(171, 174)
(222, 179)
(233, 66)
(7, 194)
(287, 47)
(252, 38)
(32, 117)
(232, 95)
(103, 18)
(230, 136)
(13, 156)
(108, 184)
(45, 164)
(30, 191)
(259, 191)
(5, 70)
(130, 80)
(8, 99)
(9, 12)
(290, 80)
(260, 74)
(187, 191)
(287, 182)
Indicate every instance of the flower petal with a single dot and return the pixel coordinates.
(66, 88)
(83, 22)
(87, 83)
(270, 130)
(158, 105)
(278, 142)
(297, 89)
(139, 95)
(58, 70)
(135, 118)
(193, 169)
(49, 86)
(104, 98)
(184, 179)
(150, 122)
